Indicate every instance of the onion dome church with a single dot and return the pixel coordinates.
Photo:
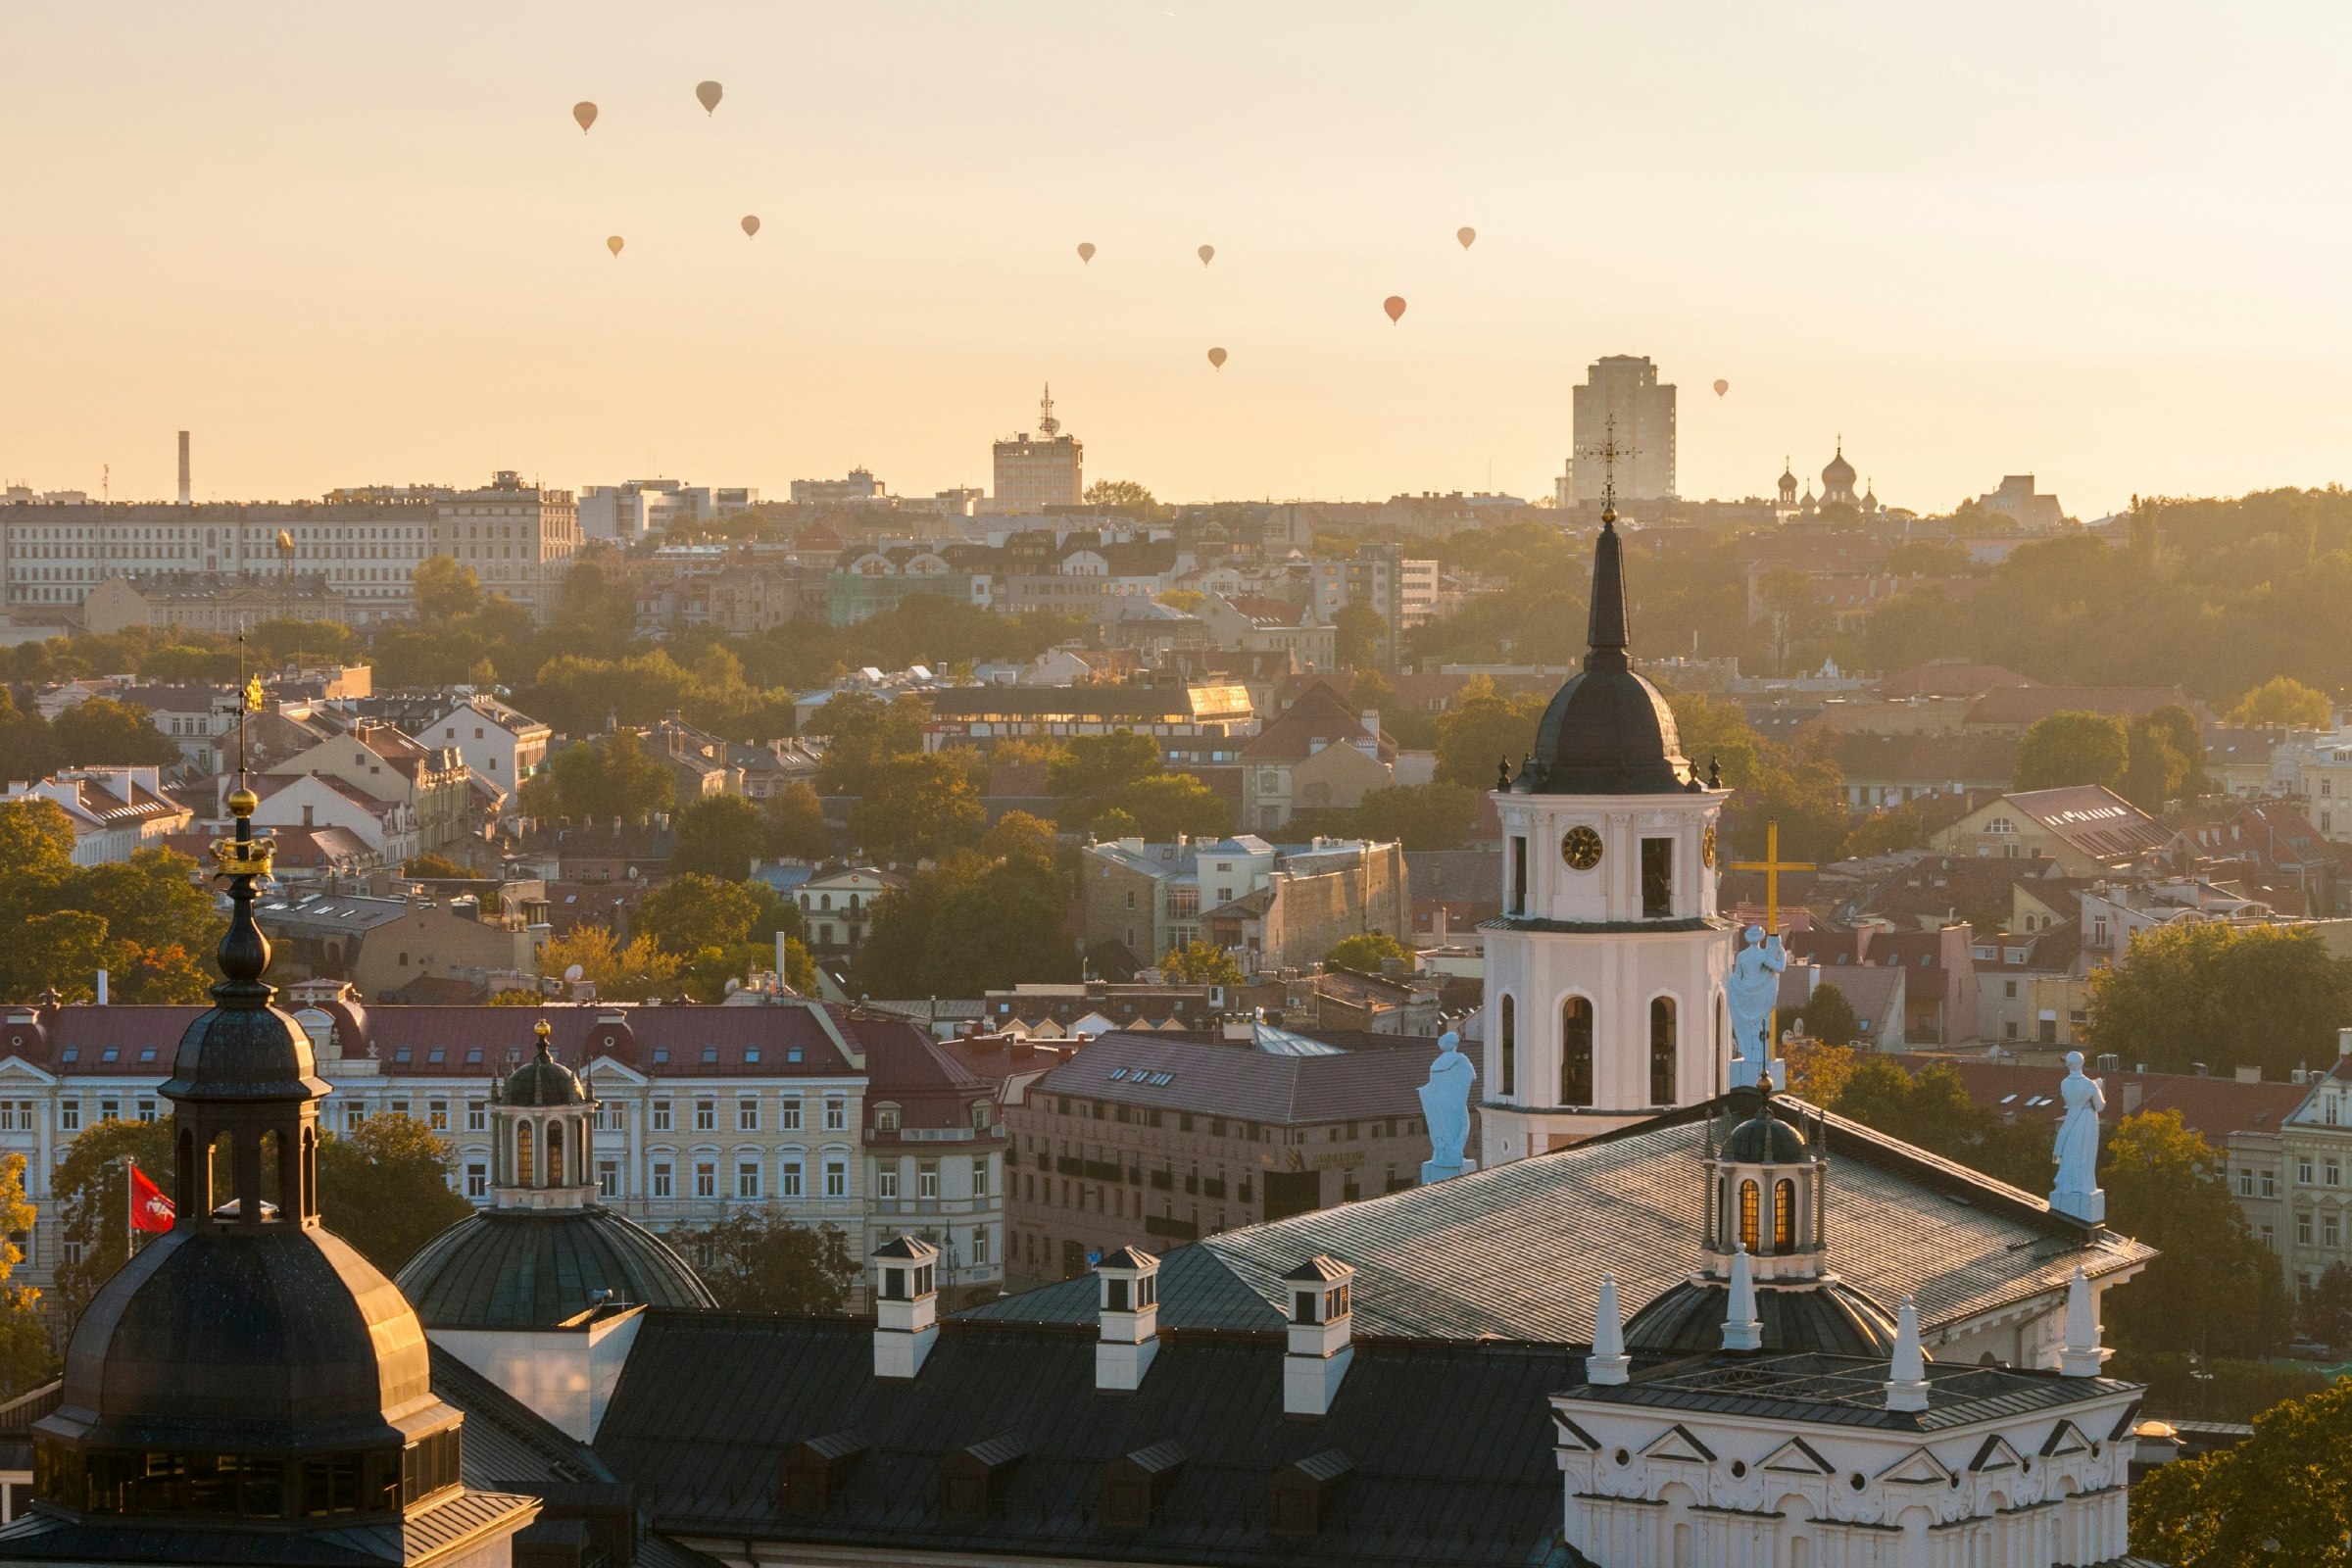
(1605, 970)
(546, 1249)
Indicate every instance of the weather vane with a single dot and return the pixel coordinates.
(1609, 451)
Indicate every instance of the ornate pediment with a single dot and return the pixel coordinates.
(1995, 1455)
(1918, 1468)
(1797, 1457)
(1678, 1444)
(2065, 1438)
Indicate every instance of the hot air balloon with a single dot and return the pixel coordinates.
(1721, 387)
(751, 225)
(1086, 250)
(1205, 252)
(585, 113)
(1395, 306)
(709, 93)
(1216, 359)
(612, 243)
(1465, 235)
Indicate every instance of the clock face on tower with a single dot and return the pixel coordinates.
(1580, 848)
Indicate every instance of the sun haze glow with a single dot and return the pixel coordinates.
(353, 244)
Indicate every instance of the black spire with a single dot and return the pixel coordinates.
(244, 952)
(1605, 632)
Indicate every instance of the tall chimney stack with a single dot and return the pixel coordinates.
(183, 467)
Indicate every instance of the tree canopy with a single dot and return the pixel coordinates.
(613, 777)
(2282, 702)
(756, 1260)
(2279, 1497)
(1932, 1109)
(718, 836)
(385, 1188)
(142, 919)
(2227, 997)
(1201, 963)
(1369, 952)
(978, 920)
(2216, 1288)
(2070, 749)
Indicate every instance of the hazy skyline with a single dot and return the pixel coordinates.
(348, 246)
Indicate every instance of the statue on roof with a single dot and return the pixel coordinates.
(1752, 992)
(2077, 1189)
(1445, 1105)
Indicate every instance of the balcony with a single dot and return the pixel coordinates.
(1069, 1165)
(1179, 1230)
(1162, 1179)
(1212, 1189)
(1102, 1171)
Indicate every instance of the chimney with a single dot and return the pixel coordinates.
(906, 1305)
(1741, 1330)
(1130, 1320)
(2343, 1043)
(102, 988)
(2084, 1356)
(2132, 1098)
(1907, 1372)
(1608, 1362)
(1322, 1321)
(183, 467)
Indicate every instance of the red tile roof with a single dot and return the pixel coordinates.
(2215, 1107)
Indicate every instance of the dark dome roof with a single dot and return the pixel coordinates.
(1607, 730)
(271, 1335)
(1840, 475)
(519, 1268)
(249, 1051)
(543, 1081)
(1827, 1316)
(1765, 1139)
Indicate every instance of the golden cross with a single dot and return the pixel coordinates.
(1772, 866)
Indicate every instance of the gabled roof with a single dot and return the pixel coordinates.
(1517, 1250)
(2092, 819)
(1244, 1084)
(1319, 718)
(2215, 1107)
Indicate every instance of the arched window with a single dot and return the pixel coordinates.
(1507, 1074)
(1749, 1197)
(1576, 1051)
(1661, 1052)
(1783, 1215)
(522, 1155)
(555, 1151)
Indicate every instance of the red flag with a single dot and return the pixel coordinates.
(150, 1208)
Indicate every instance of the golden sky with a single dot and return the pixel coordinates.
(348, 244)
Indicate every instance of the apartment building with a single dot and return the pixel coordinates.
(1275, 908)
(704, 1111)
(378, 761)
(1151, 1141)
(518, 538)
(54, 553)
(115, 811)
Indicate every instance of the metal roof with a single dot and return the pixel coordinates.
(710, 1403)
(1517, 1250)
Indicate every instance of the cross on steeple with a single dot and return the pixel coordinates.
(1608, 450)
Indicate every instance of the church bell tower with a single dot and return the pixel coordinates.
(1606, 972)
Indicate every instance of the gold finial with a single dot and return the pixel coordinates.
(543, 1029)
(254, 694)
(242, 802)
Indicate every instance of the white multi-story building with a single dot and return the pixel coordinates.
(799, 1107)
(53, 554)
(627, 513)
(518, 538)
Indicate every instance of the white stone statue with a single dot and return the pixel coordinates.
(1752, 992)
(1445, 1106)
(2076, 1190)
